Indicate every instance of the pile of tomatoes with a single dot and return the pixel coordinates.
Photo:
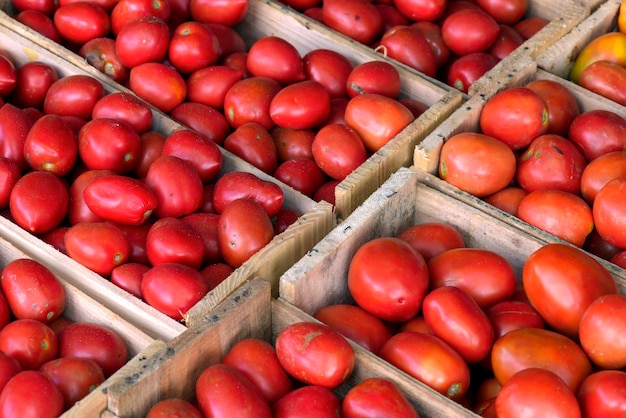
(47, 361)
(454, 41)
(460, 320)
(539, 157)
(293, 378)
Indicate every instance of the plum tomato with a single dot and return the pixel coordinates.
(45, 400)
(241, 184)
(78, 210)
(604, 78)
(293, 143)
(466, 69)
(377, 396)
(248, 100)
(357, 19)
(598, 123)
(469, 30)
(601, 331)
(203, 118)
(508, 41)
(302, 174)
(609, 212)
(599, 172)
(432, 33)
(329, 68)
(276, 58)
(338, 150)
(172, 240)
(158, 84)
(529, 26)
(74, 95)
(151, 148)
(409, 46)
(75, 377)
(229, 39)
(508, 12)
(379, 77)
(308, 400)
(432, 238)
(193, 46)
(507, 199)
(420, 10)
(41, 23)
(562, 105)
(14, 126)
(31, 342)
(602, 394)
(513, 314)
(209, 85)
(9, 175)
(124, 106)
(9, 367)
(173, 407)
(51, 145)
(196, 148)
(128, 276)
(101, 54)
(225, 12)
(109, 144)
(33, 80)
(79, 22)
(126, 11)
(300, 105)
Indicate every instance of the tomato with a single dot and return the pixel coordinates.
(329, 68)
(598, 123)
(44, 6)
(173, 288)
(39, 201)
(293, 143)
(508, 12)
(300, 105)
(302, 174)
(256, 359)
(51, 145)
(225, 392)
(158, 84)
(151, 148)
(407, 45)
(216, 273)
(177, 185)
(610, 46)
(562, 105)
(392, 288)
(469, 30)
(203, 118)
(197, 149)
(357, 19)
(209, 85)
(75, 95)
(238, 60)
(9, 175)
(253, 143)
(126, 107)
(315, 354)
(275, 58)
(101, 54)
(44, 399)
(109, 144)
(338, 150)
(509, 315)
(229, 39)
(326, 192)
(432, 238)
(420, 10)
(530, 25)
(379, 77)
(522, 110)
(128, 276)
(41, 23)
(206, 225)
(306, 401)
(14, 126)
(99, 246)
(559, 213)
(78, 210)
(537, 392)
(377, 118)
(466, 69)
(598, 246)
(193, 46)
(32, 83)
(243, 229)
(476, 163)
(621, 18)
(608, 212)
(173, 407)
(75, 377)
(430, 360)
(9, 367)
(355, 323)
(8, 76)
(551, 162)
(377, 396)
(284, 219)
(508, 41)
(137, 235)
(249, 100)
(29, 341)
(600, 171)
(226, 12)
(602, 394)
(507, 199)
(604, 78)
(80, 22)
(172, 240)
(240, 184)
(432, 33)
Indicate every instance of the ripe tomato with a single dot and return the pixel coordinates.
(44, 398)
(357, 19)
(469, 30)
(14, 126)
(508, 41)
(39, 201)
(29, 341)
(158, 84)
(509, 315)
(256, 359)
(32, 291)
(79, 22)
(315, 354)
(75, 377)
(229, 39)
(476, 163)
(173, 407)
(407, 45)
(522, 110)
(193, 46)
(420, 10)
(608, 212)
(275, 58)
(253, 143)
(306, 401)
(74, 95)
(300, 105)
(507, 199)
(209, 85)
(379, 77)
(197, 149)
(44, 6)
(430, 360)
(124, 106)
(216, 273)
(51, 145)
(293, 143)
(243, 229)
(432, 238)
(9, 367)
(219, 384)
(605, 47)
(562, 105)
(601, 334)
(226, 12)
(302, 174)
(466, 69)
(33, 80)
(243, 185)
(99, 246)
(128, 276)
(604, 78)
(9, 175)
(151, 148)
(394, 286)
(78, 210)
(432, 33)
(203, 118)
(249, 100)
(101, 54)
(538, 392)
(598, 172)
(42, 23)
(508, 12)
(329, 68)
(338, 150)
(602, 394)
(598, 123)
(172, 240)
(598, 246)
(377, 396)
(530, 25)
(109, 144)
(126, 11)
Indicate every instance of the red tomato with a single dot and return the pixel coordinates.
(509, 315)
(409, 46)
(218, 385)
(29, 341)
(602, 394)
(338, 150)
(293, 143)
(14, 126)
(560, 213)
(605, 77)
(39, 201)
(8, 76)
(466, 69)
(355, 323)
(507, 199)
(126, 11)
(51, 145)
(33, 80)
(275, 58)
(101, 54)
(177, 185)
(249, 100)
(508, 41)
(206, 225)
(9, 367)
(529, 26)
(99, 246)
(216, 273)
(173, 288)
(306, 401)
(32, 291)
(75, 377)
(226, 12)
(158, 84)
(243, 229)
(432, 238)
(302, 174)
(109, 144)
(31, 393)
(41, 23)
(126, 107)
(608, 212)
(326, 192)
(379, 77)
(256, 359)
(209, 85)
(476, 163)
(598, 246)
(562, 105)
(43, 6)
(469, 30)
(173, 407)
(300, 105)
(315, 354)
(197, 149)
(600, 171)
(136, 235)
(415, 10)
(561, 295)
(357, 19)
(74, 95)
(172, 240)
(508, 12)
(388, 278)
(522, 110)
(430, 360)
(80, 22)
(486, 276)
(598, 123)
(151, 148)
(96, 342)
(329, 68)
(535, 347)
(193, 46)
(377, 396)
(78, 210)
(253, 143)
(550, 162)
(538, 392)
(128, 276)
(229, 39)
(601, 331)
(203, 118)
(9, 175)
(240, 184)
(432, 33)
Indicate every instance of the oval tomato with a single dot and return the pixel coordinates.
(609, 46)
(338, 150)
(151, 148)
(9, 175)
(204, 119)
(275, 58)
(42, 23)
(302, 174)
(33, 80)
(193, 46)
(126, 11)
(601, 334)
(253, 143)
(73, 95)
(197, 149)
(78, 210)
(609, 213)
(598, 172)
(51, 145)
(9, 367)
(172, 240)
(109, 144)
(209, 85)
(173, 407)
(329, 68)
(127, 107)
(509, 315)
(29, 341)
(604, 78)
(420, 10)
(432, 238)
(226, 12)
(75, 377)
(300, 105)
(466, 69)
(158, 84)
(469, 30)
(79, 22)
(293, 143)
(306, 401)
(409, 46)
(101, 54)
(128, 276)
(602, 394)
(529, 26)
(240, 184)
(379, 77)
(44, 398)
(357, 19)
(507, 42)
(507, 199)
(377, 395)
(14, 126)
(248, 100)
(562, 105)
(598, 123)
(508, 12)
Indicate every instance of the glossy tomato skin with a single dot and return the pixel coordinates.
(479, 173)
(415, 10)
(109, 144)
(432, 33)
(412, 352)
(193, 46)
(538, 391)
(604, 78)
(307, 400)
(315, 354)
(29, 341)
(158, 84)
(204, 119)
(240, 184)
(329, 68)
(51, 145)
(594, 123)
(254, 144)
(300, 105)
(248, 100)
(357, 19)
(32, 291)
(74, 95)
(375, 396)
(378, 77)
(562, 105)
(394, 286)
(128, 276)
(601, 334)
(101, 54)
(608, 212)
(276, 58)
(33, 80)
(124, 106)
(198, 149)
(338, 150)
(172, 240)
(173, 407)
(600, 171)
(14, 127)
(47, 402)
(226, 12)
(126, 11)
(302, 174)
(78, 210)
(418, 55)
(508, 315)
(256, 359)
(74, 376)
(508, 41)
(209, 85)
(41, 23)
(9, 367)
(466, 69)
(469, 30)
(293, 143)
(80, 22)
(432, 238)
(601, 394)
(9, 175)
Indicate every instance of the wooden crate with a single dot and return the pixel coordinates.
(82, 308)
(316, 220)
